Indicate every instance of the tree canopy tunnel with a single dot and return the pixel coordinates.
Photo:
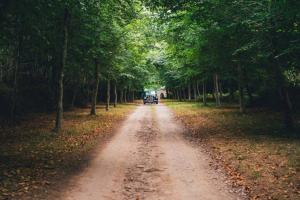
(61, 54)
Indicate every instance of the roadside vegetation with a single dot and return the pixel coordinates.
(254, 148)
(35, 162)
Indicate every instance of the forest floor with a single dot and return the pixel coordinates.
(253, 148)
(35, 162)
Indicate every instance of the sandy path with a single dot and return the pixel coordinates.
(148, 159)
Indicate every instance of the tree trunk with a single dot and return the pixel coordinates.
(133, 98)
(220, 90)
(198, 90)
(195, 90)
(96, 88)
(204, 94)
(178, 95)
(15, 83)
(125, 95)
(231, 94)
(116, 95)
(189, 92)
(121, 96)
(107, 95)
(174, 96)
(184, 95)
(241, 89)
(249, 92)
(1, 73)
(167, 94)
(73, 98)
(59, 112)
(217, 89)
(287, 108)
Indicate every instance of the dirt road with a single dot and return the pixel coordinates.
(149, 159)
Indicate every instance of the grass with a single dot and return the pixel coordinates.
(35, 161)
(254, 148)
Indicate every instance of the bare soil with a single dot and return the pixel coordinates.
(149, 159)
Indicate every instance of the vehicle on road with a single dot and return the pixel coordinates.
(150, 99)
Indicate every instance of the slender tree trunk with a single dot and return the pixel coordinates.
(204, 94)
(96, 88)
(231, 93)
(15, 83)
(125, 95)
(189, 92)
(241, 89)
(167, 94)
(184, 94)
(287, 108)
(195, 90)
(178, 95)
(73, 98)
(217, 90)
(116, 95)
(133, 98)
(220, 90)
(59, 112)
(173, 94)
(198, 90)
(249, 92)
(108, 95)
(121, 96)
(1, 73)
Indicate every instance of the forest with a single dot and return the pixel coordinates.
(62, 55)
(59, 54)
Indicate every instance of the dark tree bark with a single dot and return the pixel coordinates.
(241, 89)
(167, 93)
(15, 83)
(198, 90)
(116, 95)
(133, 98)
(96, 88)
(59, 112)
(107, 96)
(121, 96)
(249, 92)
(217, 89)
(220, 90)
(204, 94)
(1, 73)
(179, 95)
(173, 94)
(287, 108)
(125, 95)
(189, 92)
(73, 98)
(195, 90)
(184, 95)
(231, 93)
